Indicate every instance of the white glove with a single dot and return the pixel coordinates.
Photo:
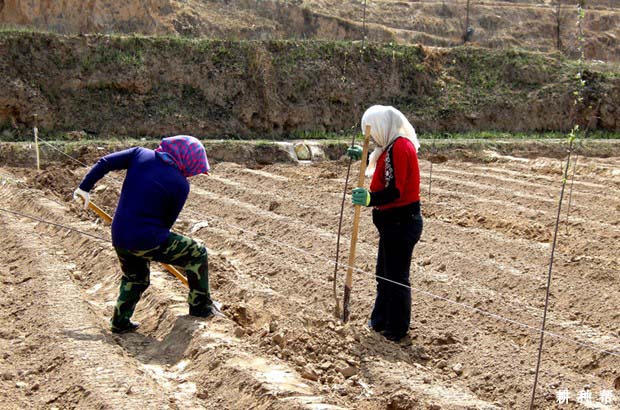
(81, 197)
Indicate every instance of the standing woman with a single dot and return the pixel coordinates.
(395, 197)
(153, 194)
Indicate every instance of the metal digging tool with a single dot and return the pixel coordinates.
(107, 218)
(356, 222)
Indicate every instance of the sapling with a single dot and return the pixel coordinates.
(581, 83)
(572, 136)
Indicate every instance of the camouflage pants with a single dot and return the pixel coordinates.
(179, 251)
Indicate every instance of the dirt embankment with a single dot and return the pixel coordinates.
(156, 86)
(239, 19)
(528, 24)
(497, 24)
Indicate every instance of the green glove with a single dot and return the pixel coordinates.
(361, 196)
(355, 152)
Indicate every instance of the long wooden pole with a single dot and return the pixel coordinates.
(348, 284)
(107, 218)
(344, 198)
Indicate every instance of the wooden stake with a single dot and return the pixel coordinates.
(344, 199)
(356, 222)
(108, 219)
(430, 181)
(36, 142)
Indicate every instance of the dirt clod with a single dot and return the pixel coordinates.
(279, 340)
(7, 376)
(308, 372)
(347, 371)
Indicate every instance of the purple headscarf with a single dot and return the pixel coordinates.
(185, 153)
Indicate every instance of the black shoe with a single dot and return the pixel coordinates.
(377, 329)
(393, 337)
(204, 311)
(129, 327)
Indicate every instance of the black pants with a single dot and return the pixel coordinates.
(399, 231)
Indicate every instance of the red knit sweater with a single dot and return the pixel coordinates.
(396, 181)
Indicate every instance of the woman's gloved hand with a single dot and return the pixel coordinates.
(361, 196)
(355, 152)
(81, 197)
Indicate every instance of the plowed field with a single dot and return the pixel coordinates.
(479, 277)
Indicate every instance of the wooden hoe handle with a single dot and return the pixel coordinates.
(356, 223)
(107, 218)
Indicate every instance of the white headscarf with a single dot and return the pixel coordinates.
(386, 124)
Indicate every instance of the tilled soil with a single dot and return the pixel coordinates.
(478, 277)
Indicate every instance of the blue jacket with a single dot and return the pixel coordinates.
(152, 197)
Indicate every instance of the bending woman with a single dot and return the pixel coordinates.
(153, 194)
(395, 195)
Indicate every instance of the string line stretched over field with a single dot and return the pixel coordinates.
(508, 301)
(4, 178)
(35, 218)
(420, 291)
(61, 151)
(345, 266)
(120, 182)
(523, 307)
(312, 255)
(298, 203)
(483, 312)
